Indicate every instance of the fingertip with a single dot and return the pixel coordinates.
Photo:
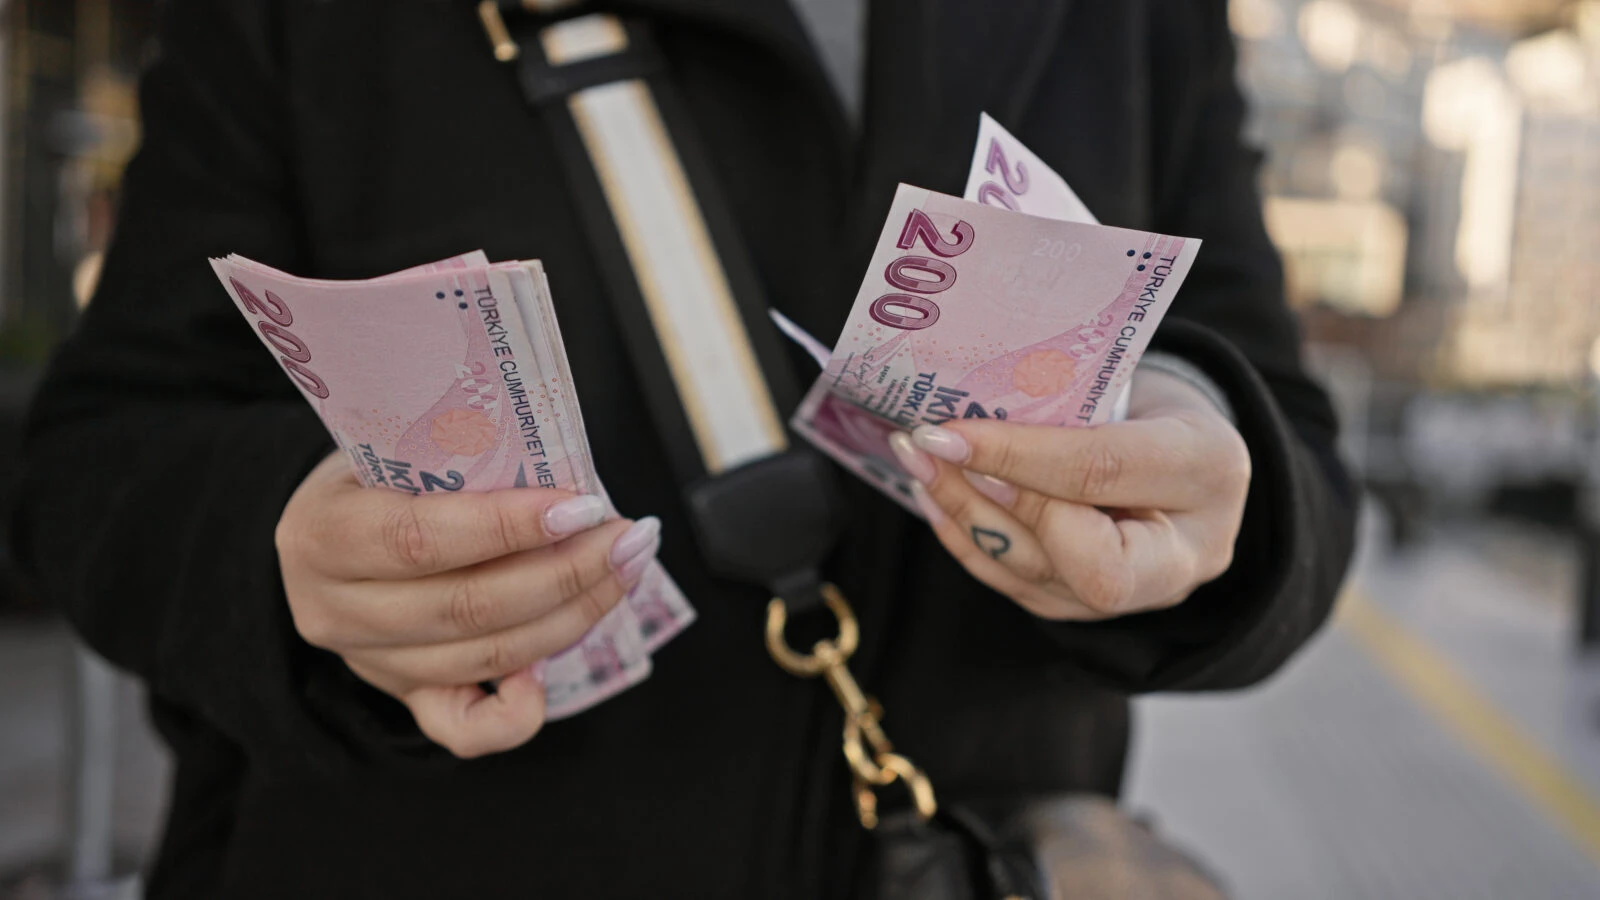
(1001, 492)
(639, 539)
(631, 572)
(916, 463)
(574, 514)
(523, 688)
(944, 443)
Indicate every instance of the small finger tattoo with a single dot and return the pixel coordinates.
(994, 543)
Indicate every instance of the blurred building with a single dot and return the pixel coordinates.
(1432, 165)
(1337, 93)
(1537, 319)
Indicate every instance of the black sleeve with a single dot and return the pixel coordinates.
(165, 440)
(1231, 320)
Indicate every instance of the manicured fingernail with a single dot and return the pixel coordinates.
(930, 509)
(632, 570)
(947, 445)
(911, 459)
(573, 516)
(538, 670)
(1001, 492)
(635, 541)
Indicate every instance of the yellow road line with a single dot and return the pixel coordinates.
(1435, 683)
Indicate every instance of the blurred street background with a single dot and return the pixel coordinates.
(1433, 179)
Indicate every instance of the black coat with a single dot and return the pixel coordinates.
(349, 138)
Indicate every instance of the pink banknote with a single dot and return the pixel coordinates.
(447, 378)
(976, 310)
(1005, 173)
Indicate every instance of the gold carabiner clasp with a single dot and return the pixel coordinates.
(874, 767)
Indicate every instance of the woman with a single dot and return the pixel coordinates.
(305, 658)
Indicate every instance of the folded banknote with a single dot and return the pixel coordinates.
(1009, 304)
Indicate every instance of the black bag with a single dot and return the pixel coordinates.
(1068, 847)
(596, 81)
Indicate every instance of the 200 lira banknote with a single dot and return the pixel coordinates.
(1009, 304)
(450, 377)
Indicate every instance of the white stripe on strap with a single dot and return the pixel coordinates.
(669, 245)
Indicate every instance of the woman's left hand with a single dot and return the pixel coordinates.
(1088, 523)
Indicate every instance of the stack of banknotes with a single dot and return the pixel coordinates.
(1010, 304)
(452, 377)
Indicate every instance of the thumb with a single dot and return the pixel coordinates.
(469, 721)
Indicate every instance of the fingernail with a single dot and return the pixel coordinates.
(538, 670)
(930, 509)
(636, 540)
(911, 459)
(1001, 492)
(947, 445)
(632, 570)
(573, 516)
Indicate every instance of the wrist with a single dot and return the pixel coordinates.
(1176, 368)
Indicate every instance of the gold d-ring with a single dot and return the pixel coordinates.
(809, 664)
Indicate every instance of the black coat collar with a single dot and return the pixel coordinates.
(933, 65)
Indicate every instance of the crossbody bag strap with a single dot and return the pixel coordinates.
(681, 284)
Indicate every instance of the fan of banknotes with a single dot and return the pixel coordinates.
(1011, 303)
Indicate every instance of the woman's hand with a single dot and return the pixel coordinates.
(1088, 523)
(426, 597)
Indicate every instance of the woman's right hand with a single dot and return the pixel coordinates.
(427, 597)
